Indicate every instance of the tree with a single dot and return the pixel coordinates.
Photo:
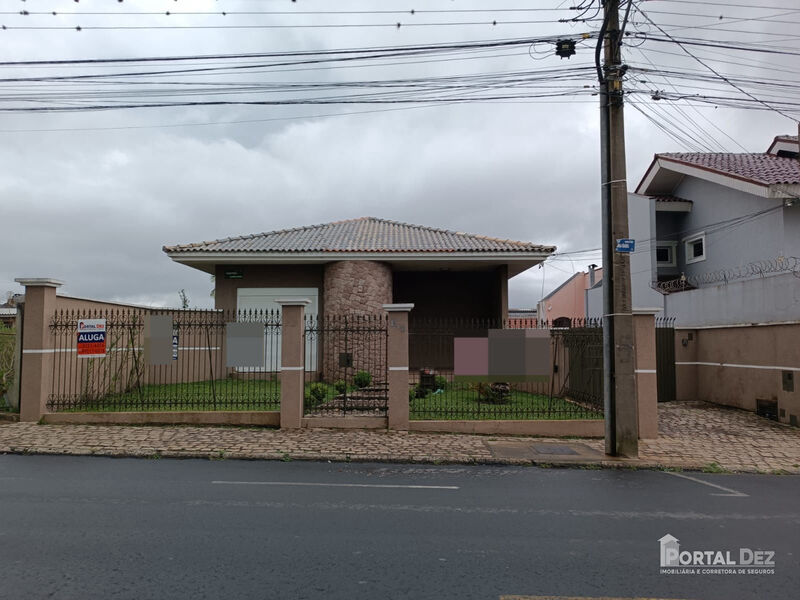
(184, 298)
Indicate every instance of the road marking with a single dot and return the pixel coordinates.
(732, 493)
(575, 598)
(349, 485)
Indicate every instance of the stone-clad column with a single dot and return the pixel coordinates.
(37, 351)
(292, 373)
(397, 355)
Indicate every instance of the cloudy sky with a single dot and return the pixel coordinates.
(90, 196)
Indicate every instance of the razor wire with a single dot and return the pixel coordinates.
(781, 264)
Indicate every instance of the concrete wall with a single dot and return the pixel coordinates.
(736, 366)
(756, 239)
(569, 300)
(773, 298)
(642, 228)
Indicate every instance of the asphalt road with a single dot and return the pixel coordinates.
(83, 527)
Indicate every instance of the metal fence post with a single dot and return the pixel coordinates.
(292, 367)
(397, 362)
(37, 361)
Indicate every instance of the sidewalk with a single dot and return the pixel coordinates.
(693, 435)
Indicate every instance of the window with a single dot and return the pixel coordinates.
(665, 254)
(695, 248)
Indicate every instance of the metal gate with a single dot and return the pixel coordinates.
(580, 363)
(347, 373)
(665, 359)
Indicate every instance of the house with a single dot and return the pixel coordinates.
(358, 265)
(8, 314)
(568, 302)
(718, 249)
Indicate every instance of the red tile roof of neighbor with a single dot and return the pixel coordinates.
(766, 169)
(365, 234)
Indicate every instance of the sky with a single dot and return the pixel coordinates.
(91, 196)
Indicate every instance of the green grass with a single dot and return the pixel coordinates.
(231, 394)
(461, 403)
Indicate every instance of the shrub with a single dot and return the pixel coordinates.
(340, 385)
(362, 379)
(317, 392)
(7, 345)
(440, 382)
(412, 393)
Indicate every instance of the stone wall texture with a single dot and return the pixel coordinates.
(355, 288)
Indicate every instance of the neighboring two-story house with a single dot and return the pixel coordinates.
(718, 249)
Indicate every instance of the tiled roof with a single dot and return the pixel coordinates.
(366, 234)
(664, 198)
(786, 138)
(766, 169)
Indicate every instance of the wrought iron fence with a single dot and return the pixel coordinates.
(346, 365)
(570, 390)
(196, 376)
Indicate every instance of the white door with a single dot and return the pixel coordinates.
(266, 299)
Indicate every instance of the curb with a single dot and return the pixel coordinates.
(155, 453)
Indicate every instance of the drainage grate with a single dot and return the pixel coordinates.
(767, 408)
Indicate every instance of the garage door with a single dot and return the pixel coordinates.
(267, 299)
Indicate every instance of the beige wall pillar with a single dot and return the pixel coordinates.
(37, 355)
(292, 361)
(644, 331)
(686, 351)
(397, 354)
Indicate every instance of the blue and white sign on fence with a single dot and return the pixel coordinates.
(625, 245)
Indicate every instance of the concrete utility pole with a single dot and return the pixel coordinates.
(622, 432)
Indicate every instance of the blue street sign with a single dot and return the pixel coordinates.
(625, 245)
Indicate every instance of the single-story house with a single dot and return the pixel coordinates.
(357, 265)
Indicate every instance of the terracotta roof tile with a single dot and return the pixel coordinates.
(766, 169)
(365, 234)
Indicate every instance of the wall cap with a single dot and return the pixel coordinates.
(647, 311)
(398, 307)
(293, 301)
(39, 282)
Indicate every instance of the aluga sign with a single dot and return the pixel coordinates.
(91, 338)
(746, 561)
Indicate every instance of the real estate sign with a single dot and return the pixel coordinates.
(91, 338)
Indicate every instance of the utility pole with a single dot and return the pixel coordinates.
(620, 402)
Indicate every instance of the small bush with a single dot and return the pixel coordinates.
(317, 392)
(412, 393)
(440, 381)
(340, 385)
(362, 379)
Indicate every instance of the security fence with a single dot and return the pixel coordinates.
(571, 388)
(346, 365)
(166, 360)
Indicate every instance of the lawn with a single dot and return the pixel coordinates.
(460, 402)
(231, 394)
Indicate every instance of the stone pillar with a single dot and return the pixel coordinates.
(397, 354)
(644, 332)
(354, 287)
(37, 356)
(292, 373)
